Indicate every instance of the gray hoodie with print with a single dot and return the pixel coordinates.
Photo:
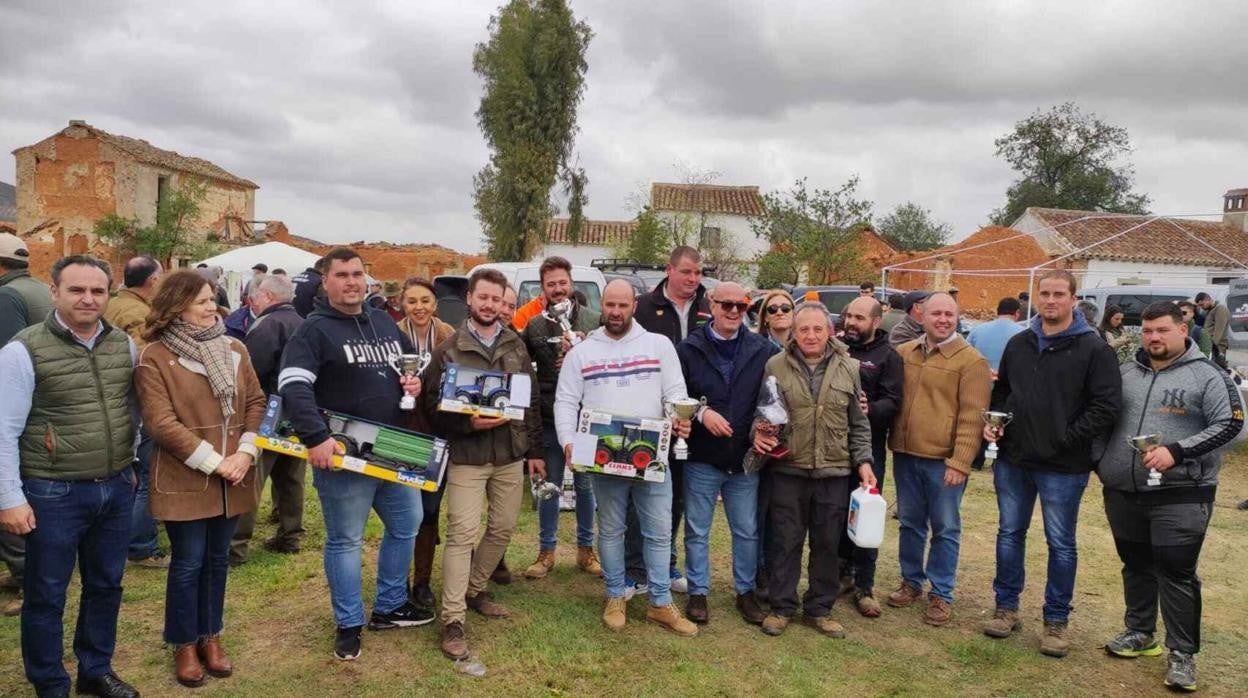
(1195, 407)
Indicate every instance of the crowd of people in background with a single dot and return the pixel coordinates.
(129, 411)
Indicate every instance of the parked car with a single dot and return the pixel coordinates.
(836, 297)
(1133, 299)
(524, 278)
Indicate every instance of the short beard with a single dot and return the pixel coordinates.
(480, 320)
(624, 328)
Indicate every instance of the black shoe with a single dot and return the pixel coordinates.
(284, 546)
(406, 616)
(748, 606)
(1243, 506)
(109, 685)
(422, 596)
(501, 575)
(347, 643)
(696, 610)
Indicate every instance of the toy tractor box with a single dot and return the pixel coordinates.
(375, 450)
(632, 447)
(487, 393)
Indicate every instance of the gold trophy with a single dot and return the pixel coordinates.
(410, 365)
(683, 408)
(997, 421)
(1143, 444)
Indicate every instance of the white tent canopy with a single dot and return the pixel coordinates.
(277, 255)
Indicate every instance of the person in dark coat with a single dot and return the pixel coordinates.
(308, 287)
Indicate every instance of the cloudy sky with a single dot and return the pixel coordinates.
(356, 118)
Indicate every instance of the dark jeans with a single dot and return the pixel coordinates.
(800, 505)
(287, 475)
(88, 523)
(634, 562)
(1159, 546)
(144, 536)
(195, 589)
(856, 562)
(1060, 495)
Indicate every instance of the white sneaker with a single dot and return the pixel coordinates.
(632, 589)
(680, 584)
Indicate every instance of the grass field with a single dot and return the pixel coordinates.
(279, 629)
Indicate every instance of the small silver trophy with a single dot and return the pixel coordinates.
(1143, 444)
(410, 365)
(544, 489)
(683, 408)
(561, 313)
(997, 421)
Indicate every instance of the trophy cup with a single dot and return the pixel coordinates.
(410, 365)
(996, 420)
(561, 313)
(1143, 444)
(683, 408)
(544, 489)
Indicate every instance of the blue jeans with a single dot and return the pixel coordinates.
(195, 588)
(548, 510)
(703, 484)
(85, 522)
(346, 498)
(144, 537)
(653, 502)
(1060, 495)
(923, 499)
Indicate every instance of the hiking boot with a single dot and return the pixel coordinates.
(1003, 624)
(747, 605)
(454, 643)
(938, 611)
(1181, 671)
(905, 595)
(1132, 643)
(1053, 642)
(13, 607)
(502, 575)
(825, 625)
(669, 618)
(696, 610)
(159, 561)
(614, 616)
(867, 605)
(774, 625)
(587, 560)
(542, 566)
(282, 546)
(347, 643)
(408, 615)
(485, 605)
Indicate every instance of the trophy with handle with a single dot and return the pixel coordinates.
(410, 365)
(996, 421)
(1143, 444)
(561, 313)
(683, 408)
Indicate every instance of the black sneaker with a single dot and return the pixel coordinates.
(347, 644)
(406, 616)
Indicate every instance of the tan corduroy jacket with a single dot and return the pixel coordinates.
(945, 392)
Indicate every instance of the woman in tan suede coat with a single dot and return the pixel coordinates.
(201, 404)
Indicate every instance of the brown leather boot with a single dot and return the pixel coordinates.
(186, 667)
(587, 560)
(213, 656)
(542, 566)
(454, 643)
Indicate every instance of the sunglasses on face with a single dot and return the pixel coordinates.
(781, 309)
(729, 306)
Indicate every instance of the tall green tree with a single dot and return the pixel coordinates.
(533, 67)
(1068, 159)
(911, 227)
(813, 234)
(171, 234)
(649, 243)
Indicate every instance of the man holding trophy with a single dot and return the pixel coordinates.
(548, 337)
(1058, 382)
(624, 370)
(1180, 410)
(723, 364)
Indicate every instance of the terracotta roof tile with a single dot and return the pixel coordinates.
(592, 232)
(1161, 240)
(708, 198)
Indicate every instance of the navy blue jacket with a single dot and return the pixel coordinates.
(735, 399)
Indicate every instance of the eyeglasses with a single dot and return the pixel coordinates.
(729, 306)
(782, 309)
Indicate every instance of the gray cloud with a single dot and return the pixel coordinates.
(357, 120)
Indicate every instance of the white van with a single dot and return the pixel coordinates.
(1133, 299)
(524, 278)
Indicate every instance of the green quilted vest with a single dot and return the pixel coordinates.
(79, 426)
(34, 293)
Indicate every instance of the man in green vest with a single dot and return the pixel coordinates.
(24, 301)
(66, 482)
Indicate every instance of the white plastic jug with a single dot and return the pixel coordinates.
(867, 513)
